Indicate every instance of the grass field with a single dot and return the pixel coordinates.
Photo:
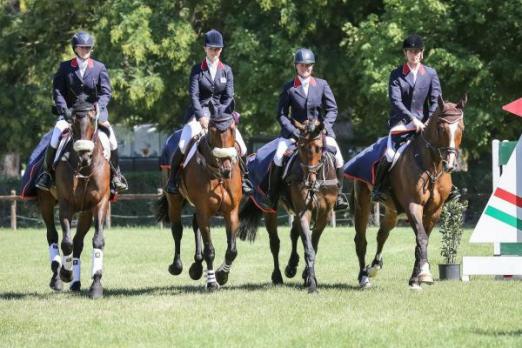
(145, 306)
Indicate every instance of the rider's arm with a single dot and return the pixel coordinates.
(283, 112)
(228, 95)
(398, 107)
(60, 90)
(434, 93)
(194, 92)
(104, 89)
(330, 108)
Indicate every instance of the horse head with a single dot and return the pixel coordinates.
(310, 145)
(83, 129)
(222, 141)
(444, 131)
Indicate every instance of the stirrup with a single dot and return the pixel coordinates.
(44, 182)
(119, 183)
(341, 203)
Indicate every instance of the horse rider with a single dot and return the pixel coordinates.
(304, 98)
(211, 82)
(81, 75)
(413, 91)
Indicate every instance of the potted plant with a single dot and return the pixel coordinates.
(451, 227)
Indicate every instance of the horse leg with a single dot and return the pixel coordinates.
(196, 269)
(84, 223)
(361, 214)
(46, 204)
(293, 261)
(67, 244)
(271, 227)
(176, 227)
(306, 237)
(208, 250)
(421, 266)
(232, 225)
(98, 243)
(387, 224)
(428, 222)
(319, 227)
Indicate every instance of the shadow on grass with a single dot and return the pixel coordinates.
(172, 290)
(492, 332)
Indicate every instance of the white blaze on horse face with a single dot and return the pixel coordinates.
(453, 132)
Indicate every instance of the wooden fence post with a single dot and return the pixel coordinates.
(13, 210)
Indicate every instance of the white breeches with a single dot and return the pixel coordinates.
(284, 145)
(62, 125)
(400, 128)
(193, 128)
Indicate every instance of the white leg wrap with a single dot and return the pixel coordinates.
(67, 262)
(76, 269)
(54, 253)
(190, 130)
(241, 142)
(112, 139)
(97, 261)
(282, 147)
(211, 276)
(425, 268)
(59, 127)
(339, 161)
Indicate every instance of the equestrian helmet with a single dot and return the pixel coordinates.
(82, 39)
(413, 41)
(213, 38)
(304, 56)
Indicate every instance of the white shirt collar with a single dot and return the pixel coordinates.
(212, 64)
(304, 81)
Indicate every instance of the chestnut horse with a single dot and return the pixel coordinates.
(82, 186)
(420, 184)
(310, 193)
(211, 181)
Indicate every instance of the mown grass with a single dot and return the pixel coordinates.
(145, 306)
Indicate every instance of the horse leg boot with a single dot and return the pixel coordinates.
(274, 183)
(378, 193)
(172, 184)
(341, 202)
(245, 182)
(45, 180)
(118, 181)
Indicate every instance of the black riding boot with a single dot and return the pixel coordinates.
(342, 201)
(118, 181)
(246, 184)
(172, 184)
(273, 185)
(45, 180)
(454, 194)
(378, 193)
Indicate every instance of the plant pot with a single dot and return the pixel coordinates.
(449, 271)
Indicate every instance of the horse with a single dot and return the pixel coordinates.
(210, 181)
(310, 193)
(420, 184)
(82, 186)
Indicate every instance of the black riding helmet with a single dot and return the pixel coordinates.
(213, 38)
(82, 39)
(413, 41)
(304, 56)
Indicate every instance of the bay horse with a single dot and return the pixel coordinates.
(82, 186)
(210, 181)
(420, 184)
(310, 193)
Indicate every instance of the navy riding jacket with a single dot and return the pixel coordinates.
(409, 99)
(295, 105)
(68, 85)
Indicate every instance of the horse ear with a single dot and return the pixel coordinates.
(463, 101)
(441, 102)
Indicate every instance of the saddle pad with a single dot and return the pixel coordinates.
(34, 168)
(171, 144)
(363, 165)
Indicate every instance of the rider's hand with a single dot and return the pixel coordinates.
(203, 121)
(419, 126)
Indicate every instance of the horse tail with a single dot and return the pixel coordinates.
(161, 209)
(249, 217)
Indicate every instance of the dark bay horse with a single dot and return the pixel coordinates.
(420, 184)
(82, 186)
(211, 181)
(310, 193)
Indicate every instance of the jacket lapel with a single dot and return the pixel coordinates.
(76, 69)
(88, 70)
(206, 71)
(298, 87)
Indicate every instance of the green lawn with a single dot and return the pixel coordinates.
(145, 306)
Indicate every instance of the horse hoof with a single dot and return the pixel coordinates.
(312, 286)
(196, 271)
(221, 277)
(415, 287)
(96, 291)
(56, 284)
(212, 286)
(290, 271)
(277, 278)
(365, 283)
(65, 275)
(76, 286)
(176, 268)
(426, 278)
